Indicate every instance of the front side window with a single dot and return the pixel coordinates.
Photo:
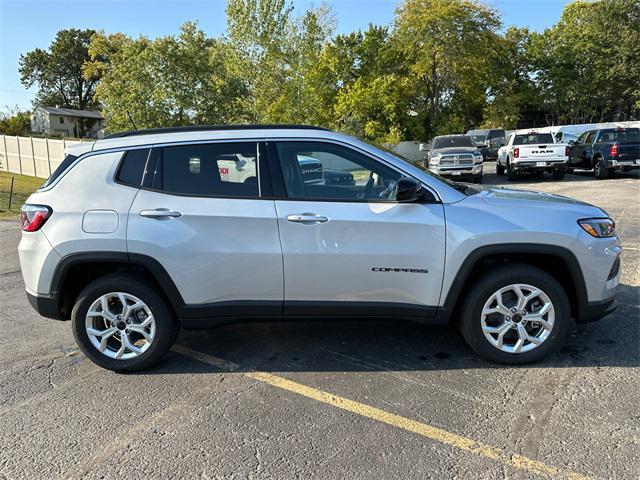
(590, 137)
(533, 139)
(214, 170)
(324, 171)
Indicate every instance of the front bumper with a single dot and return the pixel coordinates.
(594, 311)
(459, 171)
(539, 165)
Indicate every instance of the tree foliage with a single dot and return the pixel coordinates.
(58, 71)
(14, 121)
(442, 66)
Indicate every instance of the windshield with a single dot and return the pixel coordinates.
(453, 141)
(479, 138)
(533, 138)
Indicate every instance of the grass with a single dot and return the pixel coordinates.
(23, 186)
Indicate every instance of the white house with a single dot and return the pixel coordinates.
(67, 122)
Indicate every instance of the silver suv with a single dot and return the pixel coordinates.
(143, 232)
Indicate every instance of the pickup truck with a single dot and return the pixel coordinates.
(606, 150)
(532, 151)
(455, 156)
(488, 141)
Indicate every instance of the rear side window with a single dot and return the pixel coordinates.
(66, 163)
(209, 170)
(132, 167)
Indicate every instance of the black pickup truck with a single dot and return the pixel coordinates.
(606, 150)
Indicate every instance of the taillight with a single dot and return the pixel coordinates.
(516, 152)
(613, 151)
(32, 217)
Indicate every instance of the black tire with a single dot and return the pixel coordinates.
(600, 170)
(559, 174)
(493, 280)
(499, 169)
(538, 175)
(511, 174)
(477, 179)
(167, 326)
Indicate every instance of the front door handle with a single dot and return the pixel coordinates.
(160, 213)
(307, 218)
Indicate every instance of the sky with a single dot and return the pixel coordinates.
(29, 24)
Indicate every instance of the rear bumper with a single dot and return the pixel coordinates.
(532, 165)
(46, 305)
(627, 164)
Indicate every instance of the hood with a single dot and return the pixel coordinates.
(531, 199)
(453, 150)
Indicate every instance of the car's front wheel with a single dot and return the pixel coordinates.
(515, 314)
(499, 168)
(122, 324)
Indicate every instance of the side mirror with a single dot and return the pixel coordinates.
(409, 190)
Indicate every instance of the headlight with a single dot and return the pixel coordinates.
(598, 227)
(477, 157)
(434, 160)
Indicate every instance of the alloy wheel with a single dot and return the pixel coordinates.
(120, 325)
(517, 318)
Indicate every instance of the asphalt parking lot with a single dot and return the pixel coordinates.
(328, 400)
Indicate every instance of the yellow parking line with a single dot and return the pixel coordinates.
(433, 433)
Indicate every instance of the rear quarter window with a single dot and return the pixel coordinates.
(64, 165)
(132, 167)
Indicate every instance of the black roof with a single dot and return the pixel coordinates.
(199, 128)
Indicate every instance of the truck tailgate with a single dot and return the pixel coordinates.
(555, 151)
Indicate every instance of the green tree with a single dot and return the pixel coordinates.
(181, 80)
(282, 52)
(58, 73)
(15, 122)
(448, 50)
(588, 64)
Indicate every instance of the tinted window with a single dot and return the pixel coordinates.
(331, 172)
(620, 135)
(66, 163)
(453, 141)
(533, 138)
(590, 137)
(496, 134)
(132, 167)
(215, 169)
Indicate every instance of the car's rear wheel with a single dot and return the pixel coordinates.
(511, 173)
(515, 314)
(122, 324)
(600, 170)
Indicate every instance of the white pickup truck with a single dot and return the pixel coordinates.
(532, 151)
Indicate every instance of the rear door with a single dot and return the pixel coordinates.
(201, 216)
(348, 247)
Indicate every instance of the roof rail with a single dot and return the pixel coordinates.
(199, 128)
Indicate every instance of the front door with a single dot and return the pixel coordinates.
(202, 218)
(581, 151)
(348, 247)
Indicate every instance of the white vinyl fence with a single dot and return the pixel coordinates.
(35, 157)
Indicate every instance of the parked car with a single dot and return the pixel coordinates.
(606, 150)
(455, 156)
(533, 152)
(488, 141)
(131, 242)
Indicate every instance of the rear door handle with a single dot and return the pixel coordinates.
(307, 218)
(160, 213)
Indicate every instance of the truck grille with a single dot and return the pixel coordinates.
(458, 159)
